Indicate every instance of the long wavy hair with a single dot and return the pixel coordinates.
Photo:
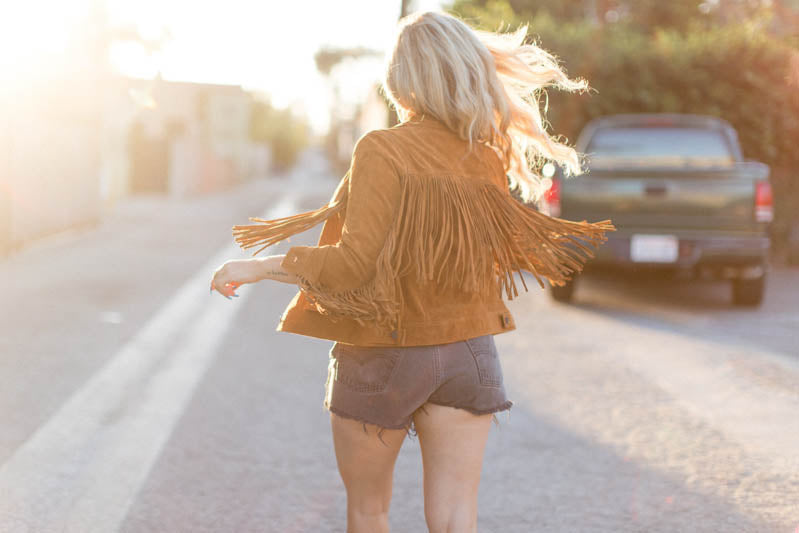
(486, 87)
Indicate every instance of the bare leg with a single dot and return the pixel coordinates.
(366, 466)
(452, 441)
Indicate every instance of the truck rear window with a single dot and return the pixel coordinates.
(662, 146)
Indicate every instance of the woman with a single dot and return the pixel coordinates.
(419, 241)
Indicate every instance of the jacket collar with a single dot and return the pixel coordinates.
(427, 120)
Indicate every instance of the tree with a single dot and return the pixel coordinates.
(285, 134)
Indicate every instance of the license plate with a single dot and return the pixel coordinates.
(654, 248)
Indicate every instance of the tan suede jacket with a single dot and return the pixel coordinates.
(420, 240)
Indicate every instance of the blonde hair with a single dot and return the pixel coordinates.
(478, 83)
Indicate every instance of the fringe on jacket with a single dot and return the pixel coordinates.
(461, 233)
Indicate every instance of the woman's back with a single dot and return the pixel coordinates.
(421, 184)
(425, 144)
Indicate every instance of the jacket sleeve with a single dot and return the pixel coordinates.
(373, 198)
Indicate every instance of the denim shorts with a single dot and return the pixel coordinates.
(386, 385)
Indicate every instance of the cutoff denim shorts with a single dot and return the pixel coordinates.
(386, 385)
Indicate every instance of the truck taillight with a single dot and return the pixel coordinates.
(764, 202)
(552, 198)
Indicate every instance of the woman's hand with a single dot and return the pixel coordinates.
(236, 272)
(229, 276)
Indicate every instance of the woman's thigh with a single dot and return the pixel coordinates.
(453, 442)
(365, 463)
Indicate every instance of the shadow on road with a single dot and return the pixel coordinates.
(573, 483)
(698, 308)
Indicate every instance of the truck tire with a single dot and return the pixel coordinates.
(748, 292)
(563, 294)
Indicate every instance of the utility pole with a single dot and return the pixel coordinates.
(405, 8)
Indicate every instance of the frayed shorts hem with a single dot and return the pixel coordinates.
(409, 427)
(492, 410)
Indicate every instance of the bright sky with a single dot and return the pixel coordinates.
(264, 45)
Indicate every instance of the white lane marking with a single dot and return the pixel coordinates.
(82, 469)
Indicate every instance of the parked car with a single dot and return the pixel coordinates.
(680, 194)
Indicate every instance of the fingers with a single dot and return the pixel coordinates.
(233, 286)
(228, 290)
(220, 290)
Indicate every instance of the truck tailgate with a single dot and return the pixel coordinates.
(714, 199)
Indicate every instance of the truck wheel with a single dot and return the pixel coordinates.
(563, 294)
(748, 292)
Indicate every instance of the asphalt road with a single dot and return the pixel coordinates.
(132, 400)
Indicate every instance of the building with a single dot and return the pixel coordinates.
(178, 138)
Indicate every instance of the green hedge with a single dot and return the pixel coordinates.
(736, 72)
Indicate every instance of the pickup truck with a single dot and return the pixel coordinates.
(680, 194)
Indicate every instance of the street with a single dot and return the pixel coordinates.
(132, 401)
